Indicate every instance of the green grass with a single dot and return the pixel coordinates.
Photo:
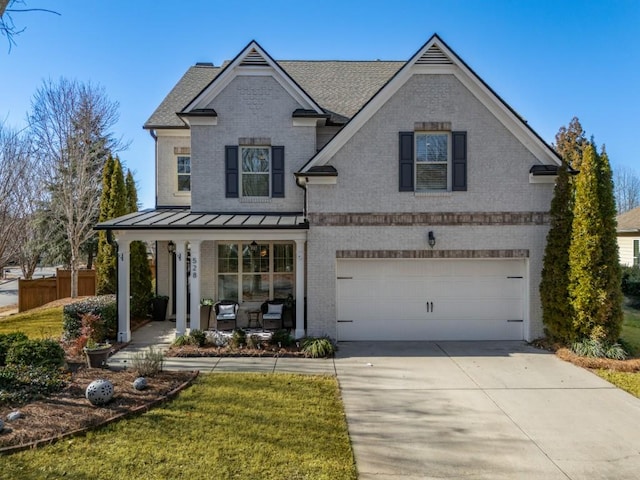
(631, 329)
(624, 380)
(42, 323)
(226, 426)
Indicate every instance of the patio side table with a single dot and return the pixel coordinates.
(254, 316)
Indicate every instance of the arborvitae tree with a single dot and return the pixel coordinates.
(112, 205)
(554, 285)
(594, 287)
(611, 272)
(140, 280)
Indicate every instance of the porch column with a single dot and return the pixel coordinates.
(195, 284)
(300, 294)
(124, 323)
(181, 287)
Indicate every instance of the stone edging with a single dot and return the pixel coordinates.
(81, 431)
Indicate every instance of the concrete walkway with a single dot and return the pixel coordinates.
(472, 410)
(161, 334)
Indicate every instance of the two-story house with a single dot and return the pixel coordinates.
(391, 200)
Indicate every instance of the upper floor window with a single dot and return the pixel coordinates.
(256, 171)
(432, 161)
(636, 252)
(184, 173)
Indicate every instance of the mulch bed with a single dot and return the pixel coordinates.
(69, 412)
(630, 365)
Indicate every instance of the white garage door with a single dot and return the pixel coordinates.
(430, 299)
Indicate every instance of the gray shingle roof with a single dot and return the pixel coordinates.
(629, 221)
(340, 87)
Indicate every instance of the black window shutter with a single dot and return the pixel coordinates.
(459, 163)
(277, 172)
(406, 162)
(231, 171)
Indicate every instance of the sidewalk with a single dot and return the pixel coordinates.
(161, 334)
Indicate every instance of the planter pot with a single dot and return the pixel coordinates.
(205, 311)
(159, 308)
(97, 357)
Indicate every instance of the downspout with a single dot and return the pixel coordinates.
(303, 187)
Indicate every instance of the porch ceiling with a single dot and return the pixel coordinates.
(185, 219)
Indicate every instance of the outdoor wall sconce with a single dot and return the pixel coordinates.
(432, 239)
(171, 247)
(254, 247)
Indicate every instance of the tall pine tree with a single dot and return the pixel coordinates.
(140, 279)
(554, 285)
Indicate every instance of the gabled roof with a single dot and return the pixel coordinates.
(341, 88)
(435, 56)
(629, 221)
(253, 58)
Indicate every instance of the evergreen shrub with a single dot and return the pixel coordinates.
(104, 306)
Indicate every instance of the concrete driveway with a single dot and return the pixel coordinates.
(483, 410)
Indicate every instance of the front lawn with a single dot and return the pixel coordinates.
(227, 426)
(631, 329)
(629, 381)
(38, 323)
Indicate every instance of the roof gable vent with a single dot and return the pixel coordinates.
(254, 59)
(434, 56)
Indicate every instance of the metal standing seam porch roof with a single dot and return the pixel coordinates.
(184, 219)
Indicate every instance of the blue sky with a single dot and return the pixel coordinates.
(550, 60)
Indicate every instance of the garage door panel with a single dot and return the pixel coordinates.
(430, 299)
(421, 330)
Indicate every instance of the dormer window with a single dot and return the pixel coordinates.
(256, 170)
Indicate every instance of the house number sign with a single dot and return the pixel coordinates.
(194, 267)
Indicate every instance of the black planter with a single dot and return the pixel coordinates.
(159, 308)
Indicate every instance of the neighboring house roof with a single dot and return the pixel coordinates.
(182, 218)
(341, 88)
(629, 221)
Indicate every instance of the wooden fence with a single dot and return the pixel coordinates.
(34, 293)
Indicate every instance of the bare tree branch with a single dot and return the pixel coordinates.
(626, 188)
(71, 122)
(7, 25)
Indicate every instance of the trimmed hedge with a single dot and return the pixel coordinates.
(105, 306)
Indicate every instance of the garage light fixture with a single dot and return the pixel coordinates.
(171, 247)
(432, 239)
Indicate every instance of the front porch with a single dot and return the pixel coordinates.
(245, 258)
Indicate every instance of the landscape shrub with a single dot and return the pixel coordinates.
(238, 338)
(44, 353)
(631, 282)
(149, 363)
(21, 384)
(199, 337)
(321, 347)
(596, 349)
(105, 306)
(8, 339)
(282, 338)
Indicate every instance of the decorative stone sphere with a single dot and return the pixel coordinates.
(140, 383)
(99, 392)
(15, 415)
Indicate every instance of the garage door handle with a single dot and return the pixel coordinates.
(429, 306)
